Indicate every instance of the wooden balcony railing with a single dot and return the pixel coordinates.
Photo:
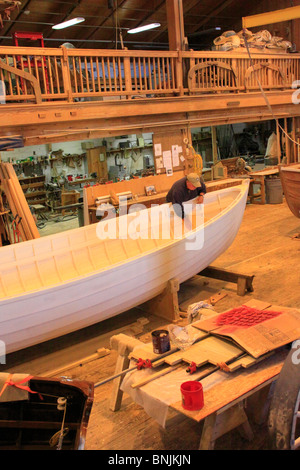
(44, 74)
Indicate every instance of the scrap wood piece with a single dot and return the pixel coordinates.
(217, 297)
(101, 352)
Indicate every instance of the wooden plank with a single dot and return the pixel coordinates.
(211, 349)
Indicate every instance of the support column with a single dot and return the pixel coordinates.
(175, 24)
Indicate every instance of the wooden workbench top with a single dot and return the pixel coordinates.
(236, 386)
(270, 171)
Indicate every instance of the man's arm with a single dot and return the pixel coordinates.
(177, 200)
(201, 192)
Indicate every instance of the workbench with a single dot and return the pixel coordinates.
(228, 391)
(226, 396)
(259, 177)
(145, 201)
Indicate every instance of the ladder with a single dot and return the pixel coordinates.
(30, 63)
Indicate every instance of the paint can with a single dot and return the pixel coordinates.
(160, 341)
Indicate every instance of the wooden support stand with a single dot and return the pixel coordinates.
(165, 305)
(243, 281)
(124, 345)
(218, 424)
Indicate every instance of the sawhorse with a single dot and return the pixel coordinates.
(243, 281)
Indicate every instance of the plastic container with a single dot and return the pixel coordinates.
(192, 395)
(274, 193)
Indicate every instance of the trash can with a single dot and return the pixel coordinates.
(274, 193)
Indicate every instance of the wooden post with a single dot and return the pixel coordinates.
(66, 73)
(176, 36)
(127, 75)
(294, 159)
(287, 142)
(214, 144)
(278, 142)
(175, 24)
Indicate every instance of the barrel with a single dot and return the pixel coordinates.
(274, 193)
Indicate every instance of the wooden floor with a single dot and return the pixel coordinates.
(263, 247)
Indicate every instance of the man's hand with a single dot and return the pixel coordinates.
(200, 199)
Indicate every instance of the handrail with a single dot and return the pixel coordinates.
(85, 74)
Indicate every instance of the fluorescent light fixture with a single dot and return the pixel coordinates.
(68, 23)
(143, 28)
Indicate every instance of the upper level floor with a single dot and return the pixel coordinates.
(47, 86)
(32, 74)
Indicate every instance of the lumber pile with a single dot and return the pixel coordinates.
(17, 202)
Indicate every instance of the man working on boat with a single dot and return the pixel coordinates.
(189, 187)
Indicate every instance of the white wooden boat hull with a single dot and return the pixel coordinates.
(37, 315)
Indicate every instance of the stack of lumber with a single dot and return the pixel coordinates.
(4, 225)
(17, 202)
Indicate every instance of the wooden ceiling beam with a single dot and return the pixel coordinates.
(271, 17)
(110, 16)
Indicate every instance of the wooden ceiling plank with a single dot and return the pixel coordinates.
(110, 16)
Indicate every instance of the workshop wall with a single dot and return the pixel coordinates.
(127, 151)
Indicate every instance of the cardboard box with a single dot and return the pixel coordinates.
(262, 337)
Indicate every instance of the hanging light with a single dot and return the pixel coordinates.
(67, 24)
(143, 28)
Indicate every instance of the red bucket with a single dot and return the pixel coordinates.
(192, 395)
